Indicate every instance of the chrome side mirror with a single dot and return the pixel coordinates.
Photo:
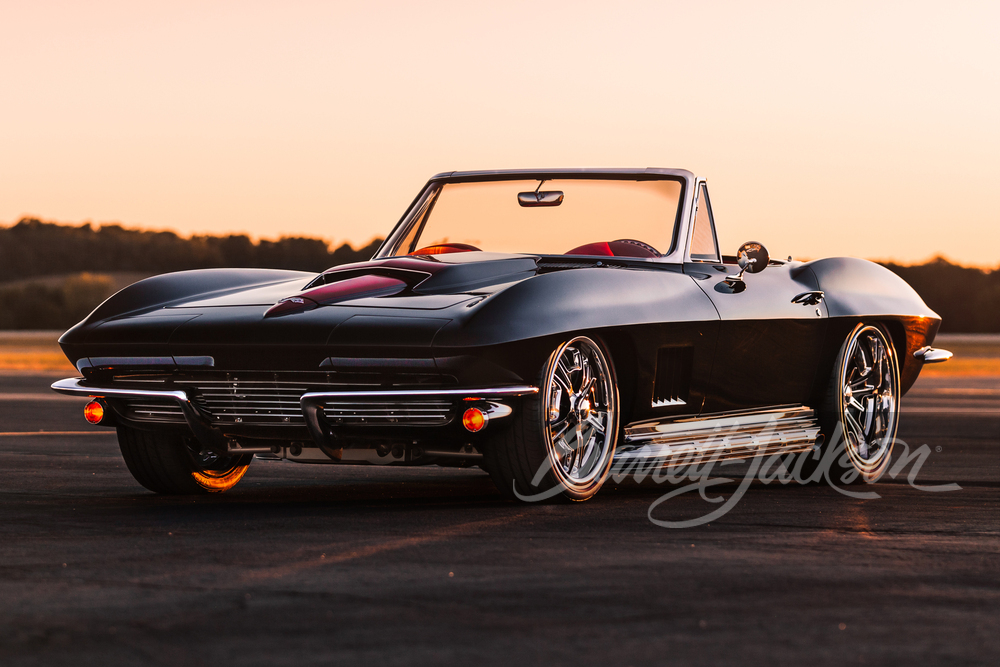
(752, 257)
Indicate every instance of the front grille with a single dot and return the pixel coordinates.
(153, 410)
(415, 412)
(248, 402)
(263, 398)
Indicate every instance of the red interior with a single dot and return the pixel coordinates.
(623, 248)
(620, 248)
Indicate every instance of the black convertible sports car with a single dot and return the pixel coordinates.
(544, 325)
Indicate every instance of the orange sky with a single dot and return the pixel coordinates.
(861, 128)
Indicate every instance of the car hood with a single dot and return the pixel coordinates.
(426, 283)
(221, 319)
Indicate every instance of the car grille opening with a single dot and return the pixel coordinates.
(248, 402)
(153, 410)
(274, 398)
(415, 412)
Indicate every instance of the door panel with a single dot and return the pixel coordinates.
(768, 347)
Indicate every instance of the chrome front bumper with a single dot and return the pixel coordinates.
(312, 405)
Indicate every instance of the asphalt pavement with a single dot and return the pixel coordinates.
(353, 565)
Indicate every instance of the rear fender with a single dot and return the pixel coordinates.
(576, 300)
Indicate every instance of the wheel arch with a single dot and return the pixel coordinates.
(624, 360)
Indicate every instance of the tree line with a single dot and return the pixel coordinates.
(968, 299)
(34, 248)
(72, 263)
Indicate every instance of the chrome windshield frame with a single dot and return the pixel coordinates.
(682, 223)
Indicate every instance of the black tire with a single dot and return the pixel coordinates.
(521, 458)
(164, 463)
(842, 449)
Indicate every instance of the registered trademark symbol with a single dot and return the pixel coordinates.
(938, 448)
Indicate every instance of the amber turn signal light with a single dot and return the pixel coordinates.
(93, 412)
(474, 420)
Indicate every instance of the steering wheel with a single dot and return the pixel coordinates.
(633, 248)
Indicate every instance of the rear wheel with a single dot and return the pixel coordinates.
(169, 463)
(562, 441)
(861, 410)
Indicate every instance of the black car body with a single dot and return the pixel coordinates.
(378, 362)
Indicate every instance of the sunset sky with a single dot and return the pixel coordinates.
(859, 128)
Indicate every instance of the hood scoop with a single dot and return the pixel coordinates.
(406, 276)
(347, 286)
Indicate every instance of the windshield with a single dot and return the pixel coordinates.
(549, 217)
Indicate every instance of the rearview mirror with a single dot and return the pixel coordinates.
(540, 198)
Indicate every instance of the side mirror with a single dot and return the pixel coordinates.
(752, 257)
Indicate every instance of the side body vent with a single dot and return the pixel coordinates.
(673, 376)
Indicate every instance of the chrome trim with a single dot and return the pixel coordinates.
(811, 298)
(76, 387)
(418, 412)
(248, 401)
(203, 431)
(667, 403)
(313, 403)
(689, 232)
(692, 441)
(497, 410)
(484, 393)
(161, 410)
(929, 355)
(674, 255)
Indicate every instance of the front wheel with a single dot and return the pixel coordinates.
(167, 463)
(562, 441)
(861, 410)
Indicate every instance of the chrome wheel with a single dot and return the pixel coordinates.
(580, 415)
(869, 398)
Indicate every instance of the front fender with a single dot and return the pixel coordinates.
(169, 288)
